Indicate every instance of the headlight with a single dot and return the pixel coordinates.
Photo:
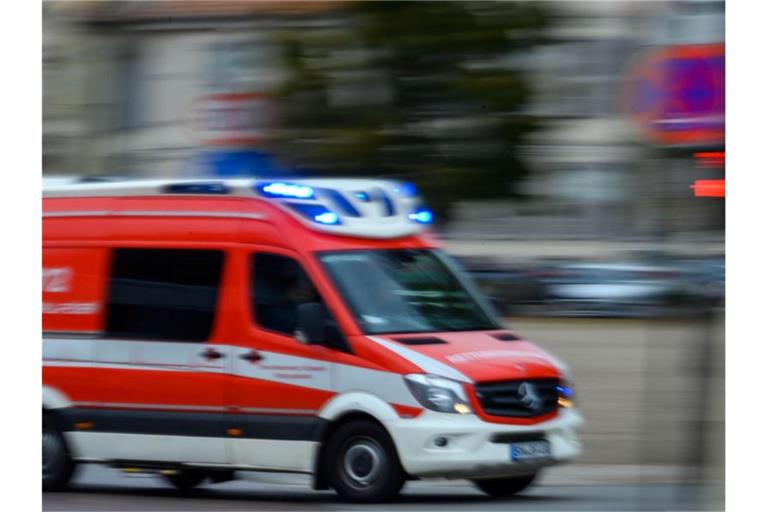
(438, 394)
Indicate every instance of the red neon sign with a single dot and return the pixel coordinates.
(710, 158)
(709, 188)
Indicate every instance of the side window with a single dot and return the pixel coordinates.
(163, 294)
(278, 286)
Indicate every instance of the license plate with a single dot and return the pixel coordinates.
(531, 450)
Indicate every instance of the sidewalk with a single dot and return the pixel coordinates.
(599, 474)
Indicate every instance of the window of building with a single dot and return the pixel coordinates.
(163, 294)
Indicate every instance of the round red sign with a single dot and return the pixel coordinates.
(676, 94)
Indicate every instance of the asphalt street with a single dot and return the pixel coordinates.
(99, 489)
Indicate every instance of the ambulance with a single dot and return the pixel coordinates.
(201, 330)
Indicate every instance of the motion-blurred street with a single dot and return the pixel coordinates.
(103, 489)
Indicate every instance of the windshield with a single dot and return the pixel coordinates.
(406, 290)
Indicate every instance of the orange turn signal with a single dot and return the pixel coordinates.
(234, 432)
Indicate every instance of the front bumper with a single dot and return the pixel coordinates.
(471, 451)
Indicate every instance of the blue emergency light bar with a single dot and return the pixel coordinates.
(317, 213)
(422, 216)
(280, 189)
(214, 187)
(407, 190)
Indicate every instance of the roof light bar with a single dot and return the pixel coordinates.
(346, 207)
(317, 213)
(406, 189)
(327, 218)
(389, 206)
(280, 189)
(214, 187)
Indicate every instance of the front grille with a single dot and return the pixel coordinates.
(518, 398)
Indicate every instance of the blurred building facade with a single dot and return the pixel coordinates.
(595, 175)
(180, 88)
(161, 88)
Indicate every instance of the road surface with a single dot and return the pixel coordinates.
(102, 489)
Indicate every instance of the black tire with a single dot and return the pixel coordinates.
(362, 464)
(58, 466)
(504, 487)
(186, 479)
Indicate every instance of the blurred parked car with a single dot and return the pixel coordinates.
(611, 289)
(704, 279)
(512, 289)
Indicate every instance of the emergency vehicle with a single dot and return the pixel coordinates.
(200, 329)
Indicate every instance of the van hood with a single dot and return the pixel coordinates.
(478, 356)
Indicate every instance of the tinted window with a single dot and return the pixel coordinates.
(279, 286)
(163, 294)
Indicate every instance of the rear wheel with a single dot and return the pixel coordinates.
(362, 464)
(58, 466)
(504, 487)
(186, 479)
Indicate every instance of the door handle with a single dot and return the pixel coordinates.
(211, 354)
(252, 356)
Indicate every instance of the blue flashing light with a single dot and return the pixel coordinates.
(565, 391)
(317, 213)
(329, 218)
(407, 190)
(422, 215)
(363, 196)
(280, 189)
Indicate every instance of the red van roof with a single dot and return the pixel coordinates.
(359, 212)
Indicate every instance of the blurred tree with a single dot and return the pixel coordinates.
(427, 91)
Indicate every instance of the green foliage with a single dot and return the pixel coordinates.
(421, 90)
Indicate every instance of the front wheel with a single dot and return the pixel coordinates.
(362, 464)
(504, 487)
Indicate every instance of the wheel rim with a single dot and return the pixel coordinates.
(51, 448)
(362, 462)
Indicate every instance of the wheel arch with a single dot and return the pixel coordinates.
(343, 409)
(54, 399)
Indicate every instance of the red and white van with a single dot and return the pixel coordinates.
(199, 329)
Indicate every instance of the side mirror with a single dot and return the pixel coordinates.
(310, 323)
